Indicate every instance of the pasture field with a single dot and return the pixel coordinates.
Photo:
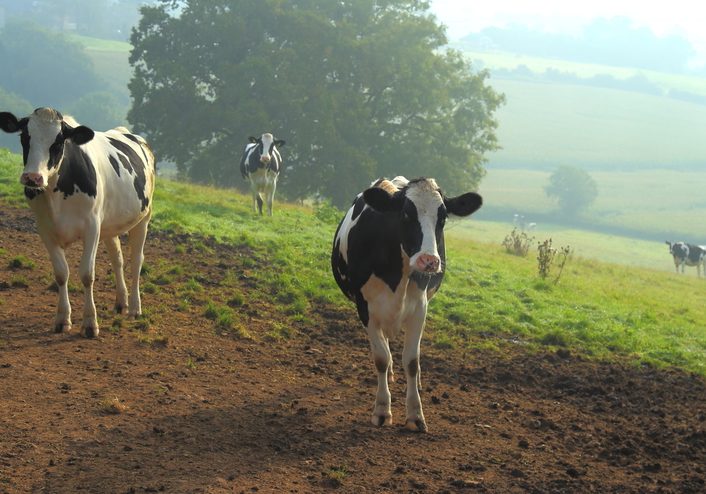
(597, 308)
(656, 202)
(547, 125)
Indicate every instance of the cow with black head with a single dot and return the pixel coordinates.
(88, 186)
(389, 258)
(685, 254)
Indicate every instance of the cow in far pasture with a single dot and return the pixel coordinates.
(388, 258)
(685, 254)
(89, 186)
(261, 164)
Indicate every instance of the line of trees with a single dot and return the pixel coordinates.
(359, 89)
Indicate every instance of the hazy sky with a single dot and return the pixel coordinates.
(687, 17)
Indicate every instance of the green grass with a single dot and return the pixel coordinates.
(489, 298)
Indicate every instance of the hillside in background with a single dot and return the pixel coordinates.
(593, 101)
(615, 42)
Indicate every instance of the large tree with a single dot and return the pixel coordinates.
(357, 88)
(573, 188)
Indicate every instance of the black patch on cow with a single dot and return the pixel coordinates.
(116, 165)
(132, 162)
(56, 151)
(362, 305)
(31, 193)
(25, 140)
(695, 253)
(413, 367)
(77, 171)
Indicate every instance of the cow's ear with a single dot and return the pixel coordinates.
(252, 139)
(280, 143)
(464, 204)
(78, 135)
(382, 201)
(9, 122)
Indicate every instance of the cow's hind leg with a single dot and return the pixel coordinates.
(382, 413)
(414, 326)
(136, 239)
(87, 267)
(115, 253)
(61, 276)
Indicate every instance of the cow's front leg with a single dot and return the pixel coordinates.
(89, 327)
(115, 253)
(382, 413)
(414, 327)
(136, 239)
(270, 195)
(61, 276)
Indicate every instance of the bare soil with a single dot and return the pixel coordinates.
(201, 410)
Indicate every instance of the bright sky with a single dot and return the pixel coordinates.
(687, 17)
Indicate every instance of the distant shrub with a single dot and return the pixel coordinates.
(547, 255)
(327, 213)
(517, 243)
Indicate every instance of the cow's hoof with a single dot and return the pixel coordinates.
(60, 327)
(89, 331)
(120, 308)
(380, 420)
(416, 425)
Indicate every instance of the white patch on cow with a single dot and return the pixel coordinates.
(426, 198)
(43, 128)
(346, 225)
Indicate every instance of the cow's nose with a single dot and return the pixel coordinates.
(32, 179)
(265, 159)
(428, 263)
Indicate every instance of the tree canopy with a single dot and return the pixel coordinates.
(358, 89)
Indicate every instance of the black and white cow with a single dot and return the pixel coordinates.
(90, 186)
(688, 255)
(388, 257)
(261, 164)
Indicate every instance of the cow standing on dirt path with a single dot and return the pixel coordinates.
(389, 258)
(91, 186)
(260, 165)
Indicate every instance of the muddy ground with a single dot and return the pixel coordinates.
(172, 404)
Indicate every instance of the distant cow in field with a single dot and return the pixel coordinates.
(90, 186)
(261, 164)
(688, 255)
(389, 258)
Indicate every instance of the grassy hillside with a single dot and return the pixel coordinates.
(489, 298)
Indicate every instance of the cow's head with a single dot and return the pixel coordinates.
(678, 250)
(265, 146)
(43, 135)
(422, 210)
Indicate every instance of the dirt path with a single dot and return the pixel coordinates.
(174, 405)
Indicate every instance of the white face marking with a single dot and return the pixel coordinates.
(427, 200)
(267, 140)
(42, 128)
